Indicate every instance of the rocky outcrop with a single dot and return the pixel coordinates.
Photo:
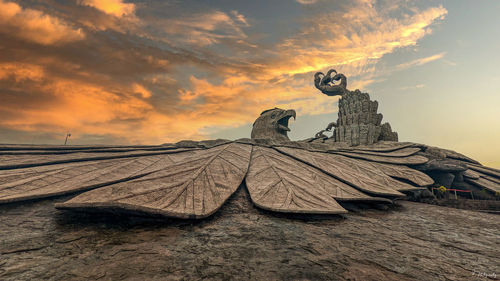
(411, 242)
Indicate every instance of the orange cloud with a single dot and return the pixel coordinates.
(21, 71)
(237, 101)
(138, 88)
(157, 106)
(362, 36)
(351, 46)
(112, 7)
(35, 26)
(82, 107)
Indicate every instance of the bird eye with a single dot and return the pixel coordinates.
(273, 115)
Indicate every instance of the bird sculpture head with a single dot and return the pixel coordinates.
(273, 124)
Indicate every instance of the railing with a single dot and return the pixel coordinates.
(444, 189)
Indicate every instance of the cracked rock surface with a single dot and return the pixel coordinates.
(411, 241)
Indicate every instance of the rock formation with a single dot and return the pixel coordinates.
(241, 242)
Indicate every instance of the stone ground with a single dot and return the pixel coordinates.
(410, 241)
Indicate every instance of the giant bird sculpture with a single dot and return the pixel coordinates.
(192, 179)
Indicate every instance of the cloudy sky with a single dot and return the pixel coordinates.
(150, 72)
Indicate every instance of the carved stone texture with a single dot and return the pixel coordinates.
(39, 151)
(381, 146)
(62, 148)
(390, 149)
(452, 169)
(201, 144)
(358, 122)
(485, 170)
(397, 153)
(408, 160)
(446, 153)
(483, 177)
(384, 146)
(404, 172)
(10, 161)
(194, 187)
(347, 170)
(490, 178)
(279, 183)
(272, 124)
(371, 170)
(321, 134)
(51, 180)
(326, 83)
(387, 134)
(485, 183)
(471, 174)
(442, 165)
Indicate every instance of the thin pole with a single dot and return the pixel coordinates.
(67, 136)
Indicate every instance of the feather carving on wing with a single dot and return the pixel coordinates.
(360, 162)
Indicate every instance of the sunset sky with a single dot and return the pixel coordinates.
(151, 72)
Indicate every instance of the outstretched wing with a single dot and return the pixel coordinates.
(280, 183)
(194, 179)
(26, 176)
(352, 171)
(296, 177)
(185, 180)
(193, 187)
(34, 172)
